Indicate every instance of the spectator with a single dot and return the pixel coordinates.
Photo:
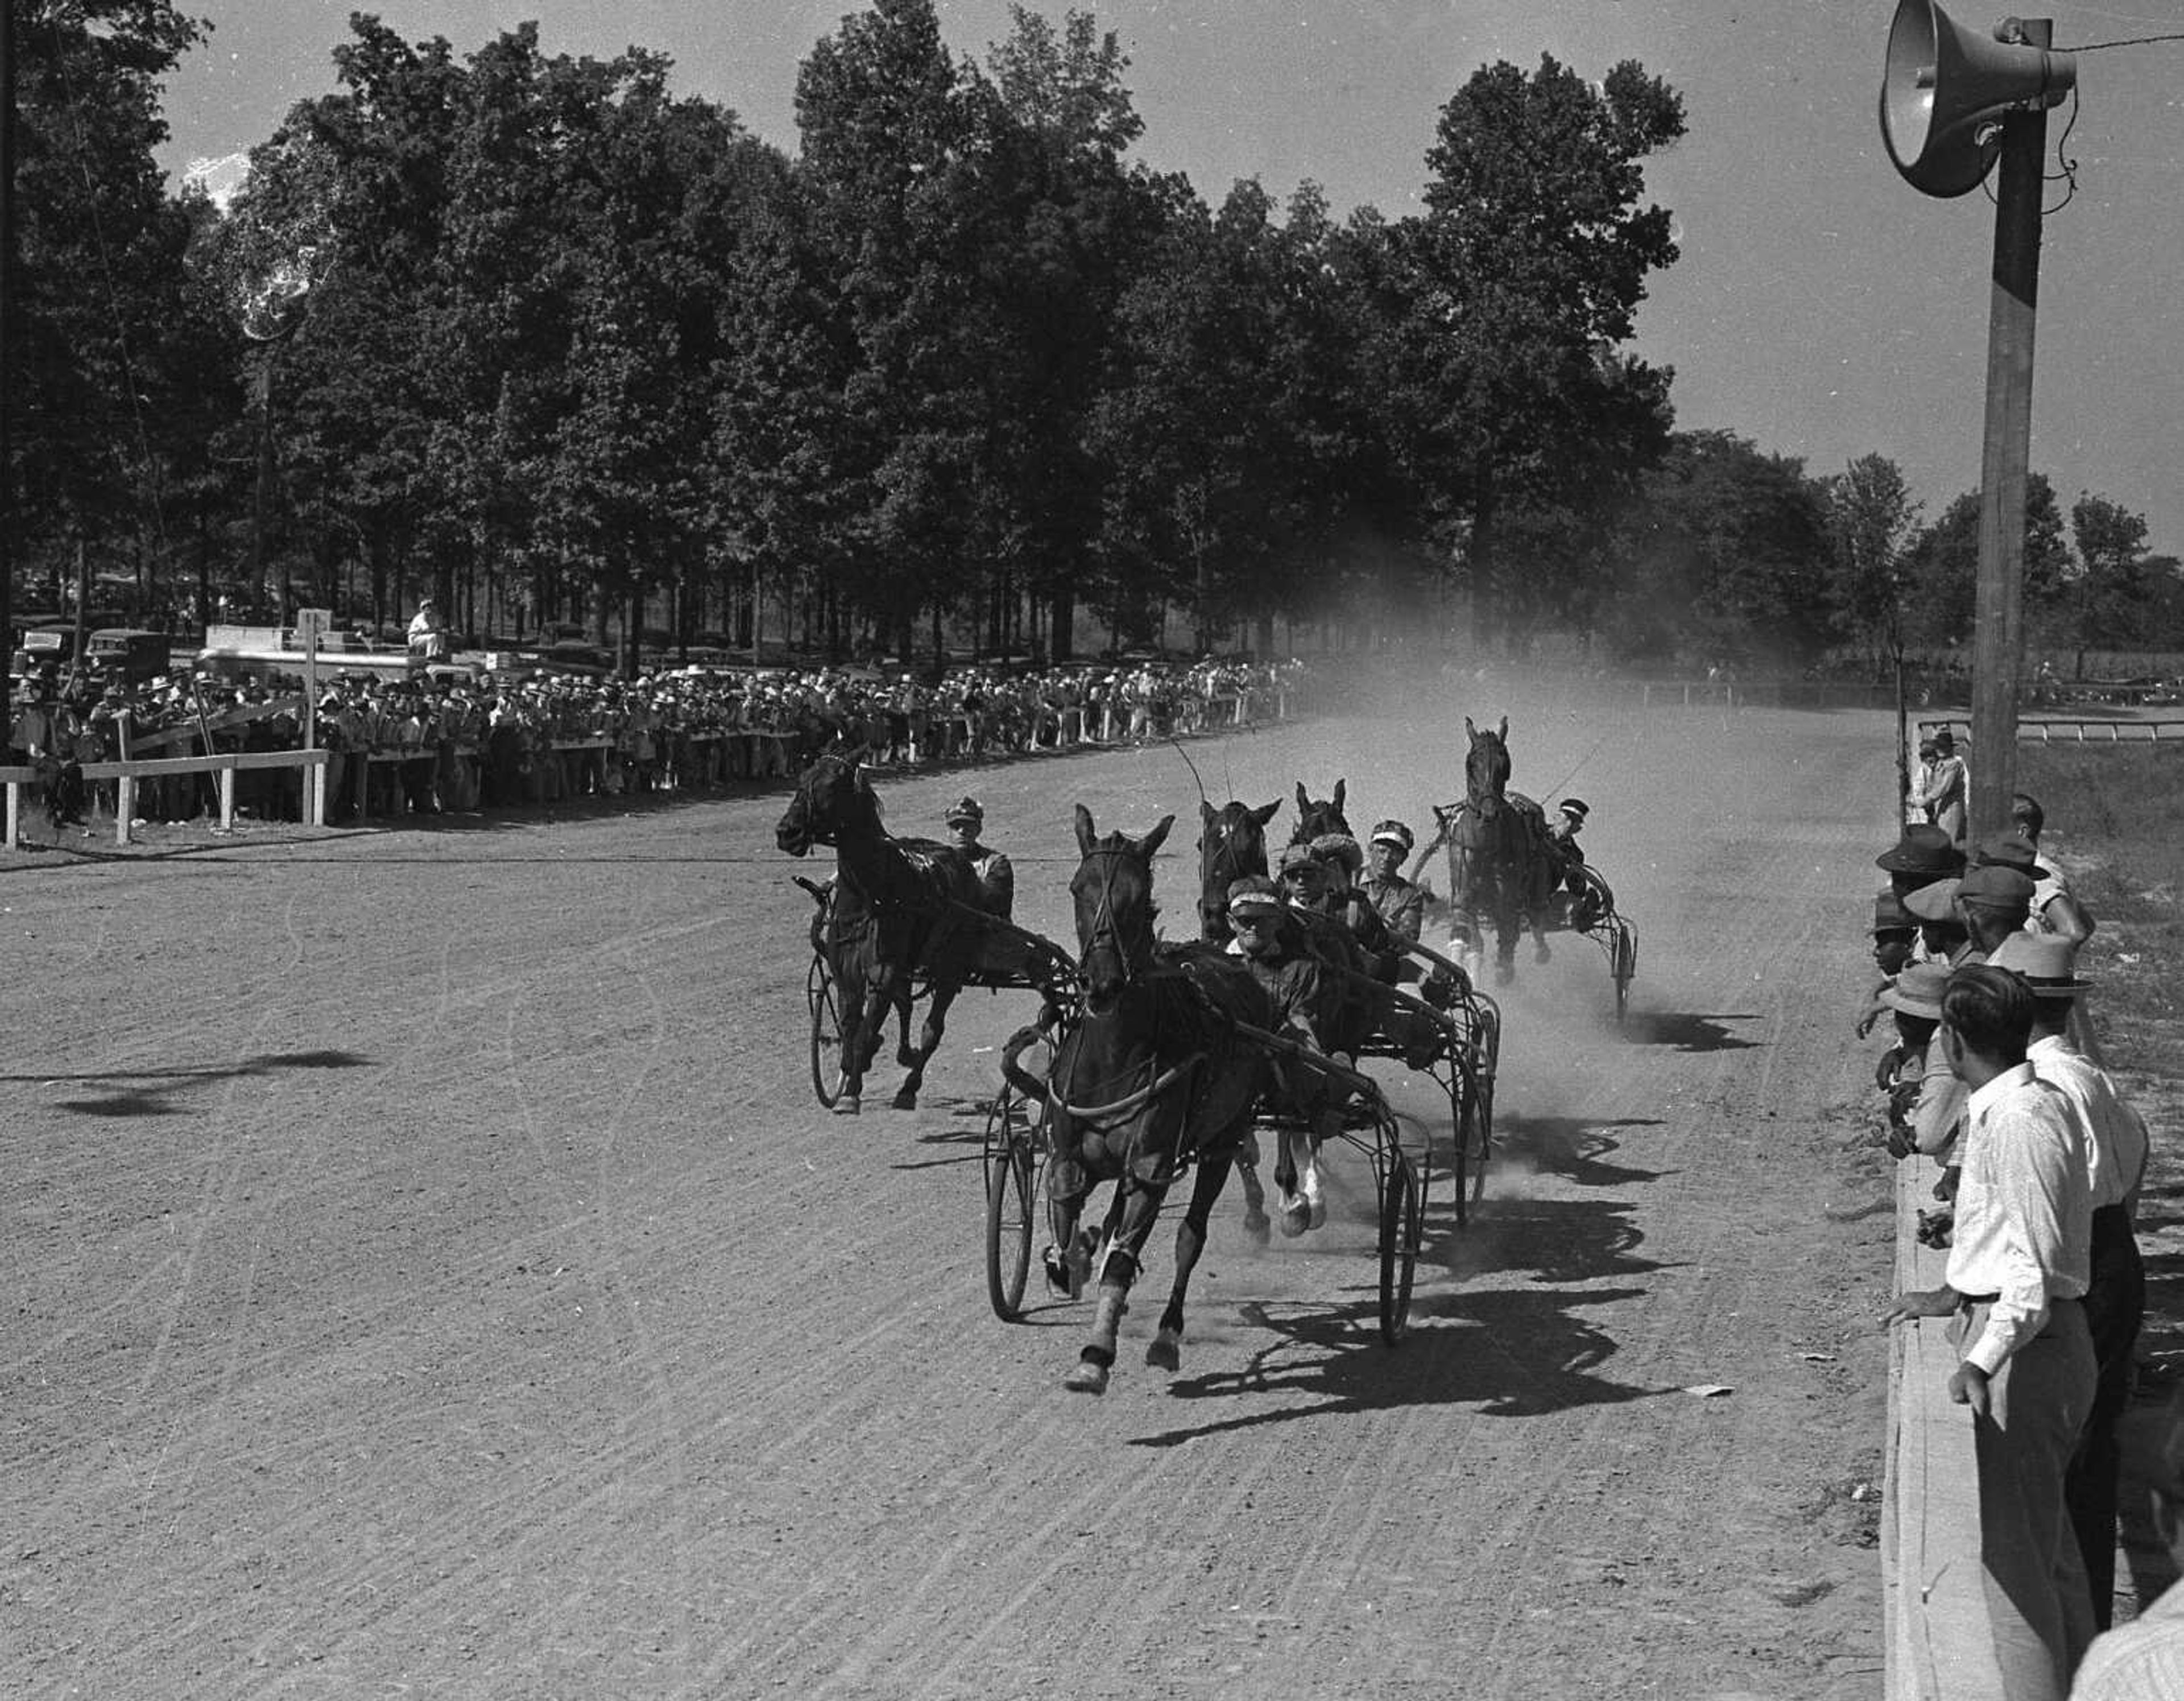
(2019, 1266)
(1946, 791)
(428, 634)
(2116, 1299)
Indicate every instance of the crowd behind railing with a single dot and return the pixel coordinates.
(445, 740)
(2024, 1159)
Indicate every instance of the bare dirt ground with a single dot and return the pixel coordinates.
(429, 1272)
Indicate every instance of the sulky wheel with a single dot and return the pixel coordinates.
(1012, 1149)
(1623, 965)
(1475, 1141)
(819, 991)
(1400, 1222)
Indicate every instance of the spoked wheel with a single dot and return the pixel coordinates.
(1475, 1141)
(1401, 1221)
(1623, 964)
(821, 993)
(1012, 1149)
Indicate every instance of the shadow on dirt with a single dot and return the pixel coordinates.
(1686, 1031)
(151, 1092)
(1518, 1354)
(1571, 1147)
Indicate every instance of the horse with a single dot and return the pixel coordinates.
(1317, 820)
(1151, 1077)
(901, 907)
(1232, 843)
(1496, 867)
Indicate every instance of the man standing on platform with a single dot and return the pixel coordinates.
(2020, 1263)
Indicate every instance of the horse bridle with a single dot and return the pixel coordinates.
(1103, 917)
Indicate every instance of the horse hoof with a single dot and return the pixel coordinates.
(1504, 973)
(1316, 1213)
(1257, 1224)
(848, 1104)
(905, 1100)
(1165, 1352)
(1540, 953)
(1297, 1217)
(1087, 1379)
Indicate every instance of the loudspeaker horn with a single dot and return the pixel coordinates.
(1946, 87)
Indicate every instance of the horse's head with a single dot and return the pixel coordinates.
(1486, 764)
(830, 792)
(1113, 894)
(1316, 820)
(1232, 843)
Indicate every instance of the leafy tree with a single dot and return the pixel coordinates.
(892, 139)
(1872, 518)
(113, 360)
(1724, 556)
(2125, 599)
(1523, 276)
(1943, 566)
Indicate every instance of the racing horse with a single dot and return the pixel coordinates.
(901, 907)
(1232, 843)
(1152, 1076)
(1497, 871)
(1316, 820)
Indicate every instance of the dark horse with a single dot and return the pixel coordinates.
(1232, 843)
(901, 907)
(1151, 1077)
(1495, 866)
(1317, 820)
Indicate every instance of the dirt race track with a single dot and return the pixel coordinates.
(429, 1274)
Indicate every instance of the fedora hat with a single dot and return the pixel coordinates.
(1936, 902)
(1923, 850)
(2011, 851)
(2046, 962)
(1995, 887)
(1918, 990)
(1889, 915)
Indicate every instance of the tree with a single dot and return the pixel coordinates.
(1943, 566)
(2125, 598)
(1724, 556)
(112, 361)
(1522, 279)
(1872, 518)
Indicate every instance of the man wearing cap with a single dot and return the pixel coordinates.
(2053, 909)
(997, 878)
(428, 634)
(2019, 1266)
(1944, 795)
(2116, 1146)
(1922, 856)
(1895, 932)
(1903, 1073)
(1400, 904)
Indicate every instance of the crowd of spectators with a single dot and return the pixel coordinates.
(2040, 1159)
(448, 738)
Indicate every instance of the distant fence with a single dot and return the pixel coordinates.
(2049, 729)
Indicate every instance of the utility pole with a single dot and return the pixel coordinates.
(7, 342)
(1998, 630)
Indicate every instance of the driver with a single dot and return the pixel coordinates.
(1401, 905)
(997, 877)
(1562, 839)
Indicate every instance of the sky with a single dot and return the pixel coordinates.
(1822, 307)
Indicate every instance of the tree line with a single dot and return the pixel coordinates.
(537, 335)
